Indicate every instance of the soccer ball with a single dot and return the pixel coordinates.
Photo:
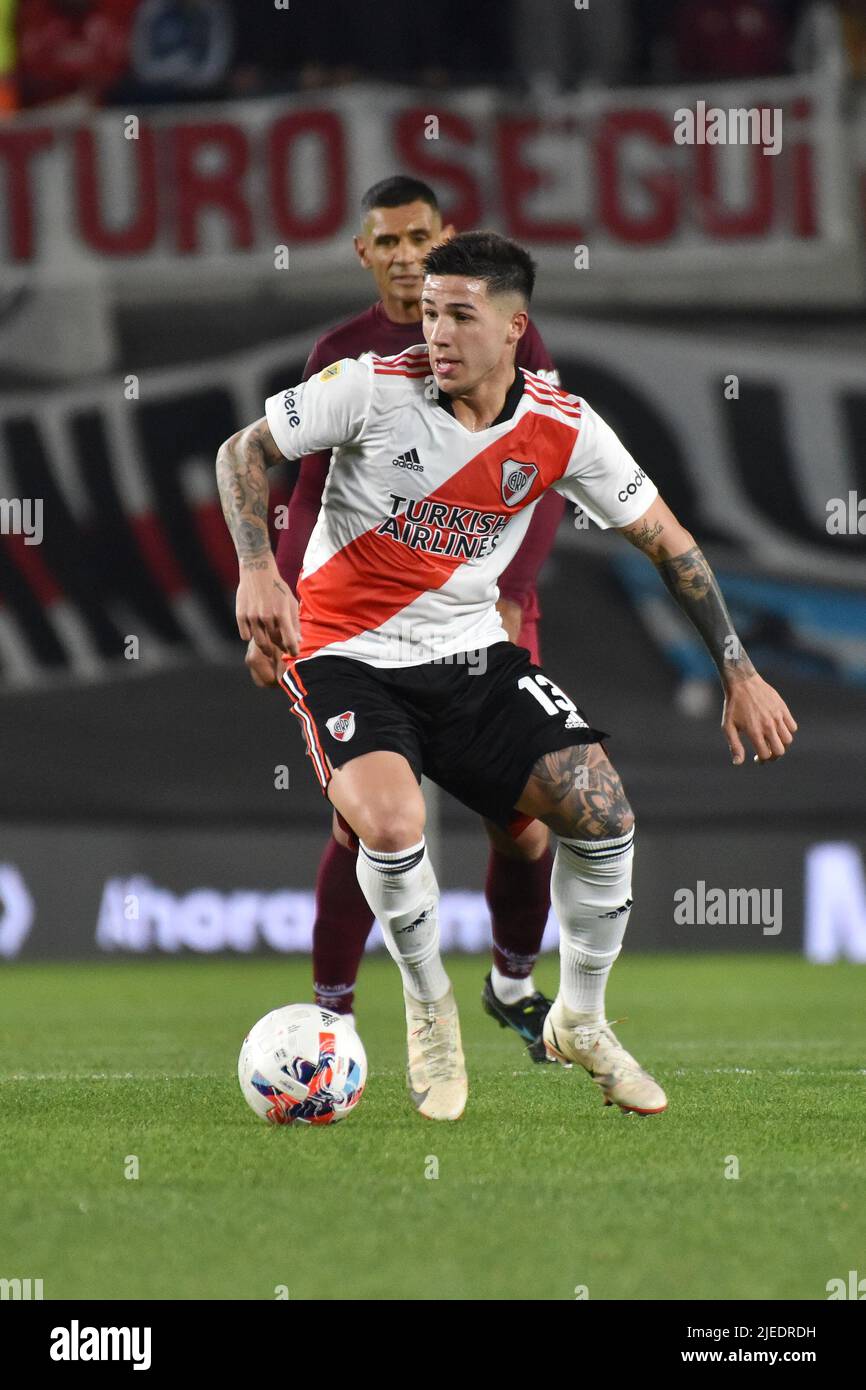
(302, 1065)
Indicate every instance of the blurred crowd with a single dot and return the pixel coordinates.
(110, 52)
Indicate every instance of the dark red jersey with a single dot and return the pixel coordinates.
(373, 331)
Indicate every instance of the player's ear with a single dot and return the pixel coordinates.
(518, 326)
(447, 233)
(361, 251)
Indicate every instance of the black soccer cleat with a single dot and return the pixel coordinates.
(526, 1017)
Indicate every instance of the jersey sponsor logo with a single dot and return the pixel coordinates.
(517, 479)
(633, 486)
(341, 726)
(409, 460)
(290, 406)
(330, 372)
(440, 528)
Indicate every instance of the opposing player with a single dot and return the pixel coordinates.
(400, 222)
(397, 602)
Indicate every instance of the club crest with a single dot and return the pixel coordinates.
(342, 726)
(517, 479)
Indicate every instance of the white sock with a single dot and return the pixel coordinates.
(508, 990)
(402, 891)
(591, 893)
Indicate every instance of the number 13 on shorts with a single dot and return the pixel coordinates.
(557, 702)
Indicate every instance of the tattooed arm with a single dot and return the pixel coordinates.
(242, 478)
(267, 612)
(751, 706)
(690, 581)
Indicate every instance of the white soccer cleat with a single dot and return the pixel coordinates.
(436, 1069)
(594, 1046)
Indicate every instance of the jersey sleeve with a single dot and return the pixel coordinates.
(602, 477)
(323, 413)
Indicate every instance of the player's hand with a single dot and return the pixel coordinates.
(264, 670)
(266, 609)
(754, 708)
(512, 617)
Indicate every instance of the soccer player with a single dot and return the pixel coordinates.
(401, 662)
(400, 223)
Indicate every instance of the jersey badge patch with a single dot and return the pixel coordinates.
(330, 372)
(342, 726)
(517, 479)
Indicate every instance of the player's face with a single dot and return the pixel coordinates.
(470, 335)
(393, 244)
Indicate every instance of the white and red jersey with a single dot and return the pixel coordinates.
(420, 515)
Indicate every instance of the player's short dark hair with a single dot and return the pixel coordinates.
(395, 192)
(505, 266)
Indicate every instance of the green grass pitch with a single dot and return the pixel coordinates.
(541, 1189)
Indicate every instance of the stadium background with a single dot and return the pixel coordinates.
(180, 187)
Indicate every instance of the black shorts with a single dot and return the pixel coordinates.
(475, 723)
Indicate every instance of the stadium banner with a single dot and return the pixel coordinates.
(111, 530)
(758, 444)
(106, 892)
(734, 193)
(113, 548)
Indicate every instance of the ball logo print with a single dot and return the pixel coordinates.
(517, 479)
(341, 726)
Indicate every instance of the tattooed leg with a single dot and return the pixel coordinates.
(577, 792)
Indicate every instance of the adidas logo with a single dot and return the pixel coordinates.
(409, 460)
(618, 911)
(574, 721)
(419, 921)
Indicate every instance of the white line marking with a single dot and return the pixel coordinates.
(113, 1076)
